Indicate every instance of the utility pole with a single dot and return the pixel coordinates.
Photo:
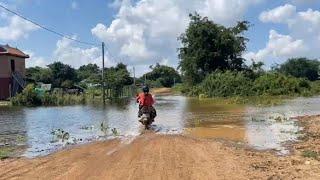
(103, 83)
(174, 82)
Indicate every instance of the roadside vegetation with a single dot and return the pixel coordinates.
(71, 86)
(5, 152)
(29, 97)
(212, 66)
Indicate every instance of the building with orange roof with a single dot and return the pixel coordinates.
(12, 71)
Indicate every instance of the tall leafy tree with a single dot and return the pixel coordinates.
(207, 46)
(39, 74)
(301, 67)
(89, 73)
(117, 77)
(62, 72)
(165, 75)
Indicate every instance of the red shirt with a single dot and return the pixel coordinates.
(145, 99)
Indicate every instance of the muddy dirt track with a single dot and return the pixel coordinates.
(171, 157)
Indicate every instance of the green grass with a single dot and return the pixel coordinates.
(310, 154)
(254, 100)
(5, 152)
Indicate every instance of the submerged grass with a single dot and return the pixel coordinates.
(29, 97)
(310, 154)
(254, 100)
(5, 152)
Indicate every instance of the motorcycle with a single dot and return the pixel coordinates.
(146, 118)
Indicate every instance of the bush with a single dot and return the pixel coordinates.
(224, 84)
(49, 99)
(280, 84)
(232, 84)
(315, 87)
(28, 97)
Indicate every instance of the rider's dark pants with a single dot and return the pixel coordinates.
(153, 112)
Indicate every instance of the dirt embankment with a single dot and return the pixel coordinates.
(172, 157)
(162, 91)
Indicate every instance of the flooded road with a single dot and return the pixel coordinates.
(259, 127)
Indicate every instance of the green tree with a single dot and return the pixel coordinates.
(165, 75)
(39, 74)
(62, 72)
(301, 67)
(207, 46)
(89, 73)
(117, 77)
(255, 70)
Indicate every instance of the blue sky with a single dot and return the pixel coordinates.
(143, 32)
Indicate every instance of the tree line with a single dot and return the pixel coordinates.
(210, 57)
(211, 64)
(64, 76)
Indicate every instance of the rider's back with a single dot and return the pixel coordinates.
(145, 99)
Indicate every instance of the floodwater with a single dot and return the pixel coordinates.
(259, 127)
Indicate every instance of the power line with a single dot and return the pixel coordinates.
(58, 33)
(47, 29)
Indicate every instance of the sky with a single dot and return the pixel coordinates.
(140, 33)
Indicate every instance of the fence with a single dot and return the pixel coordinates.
(124, 92)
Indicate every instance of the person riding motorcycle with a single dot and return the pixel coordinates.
(146, 102)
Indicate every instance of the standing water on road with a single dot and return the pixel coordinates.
(260, 127)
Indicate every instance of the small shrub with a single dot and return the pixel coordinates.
(28, 97)
(225, 84)
(278, 84)
(5, 152)
(115, 132)
(310, 154)
(104, 128)
(315, 87)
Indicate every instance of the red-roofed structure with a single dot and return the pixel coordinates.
(12, 71)
(10, 51)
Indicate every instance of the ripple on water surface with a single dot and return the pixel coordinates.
(260, 127)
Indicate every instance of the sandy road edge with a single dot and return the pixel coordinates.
(173, 157)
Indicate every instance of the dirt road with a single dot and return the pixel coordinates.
(171, 157)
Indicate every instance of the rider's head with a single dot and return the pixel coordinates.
(145, 89)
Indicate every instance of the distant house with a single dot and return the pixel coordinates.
(12, 71)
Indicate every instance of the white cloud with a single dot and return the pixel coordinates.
(35, 60)
(226, 12)
(68, 53)
(74, 5)
(16, 28)
(145, 32)
(301, 40)
(306, 24)
(278, 47)
(279, 14)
